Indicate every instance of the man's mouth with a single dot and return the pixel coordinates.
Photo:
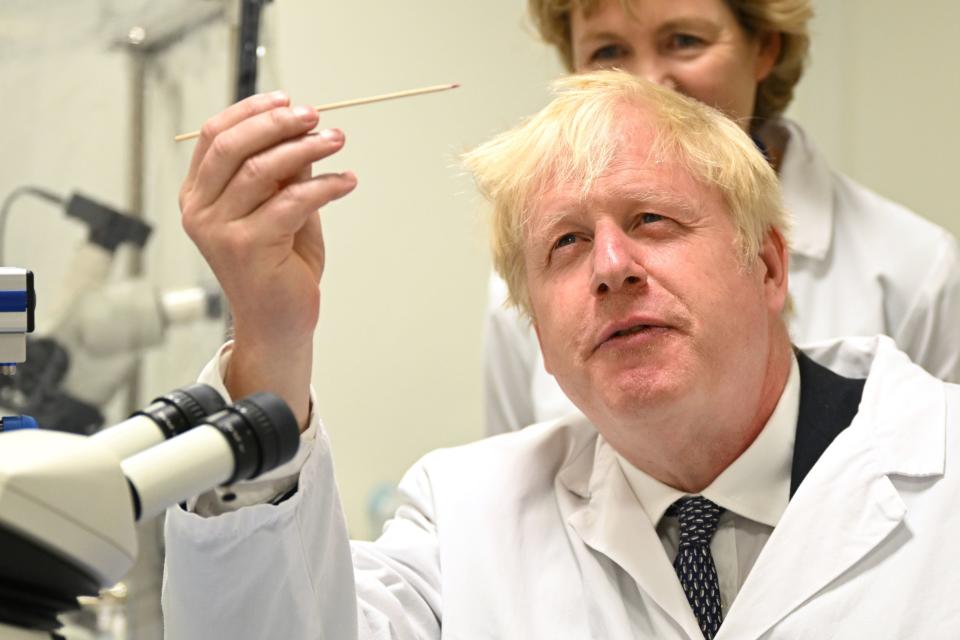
(627, 329)
(630, 331)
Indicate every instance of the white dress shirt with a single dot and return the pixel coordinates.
(754, 490)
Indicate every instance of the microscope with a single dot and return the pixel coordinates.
(69, 503)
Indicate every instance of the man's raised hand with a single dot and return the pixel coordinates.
(249, 203)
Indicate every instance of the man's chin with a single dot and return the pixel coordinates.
(639, 391)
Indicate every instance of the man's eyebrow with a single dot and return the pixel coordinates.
(654, 199)
(554, 218)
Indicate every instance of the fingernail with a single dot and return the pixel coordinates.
(332, 135)
(278, 97)
(304, 113)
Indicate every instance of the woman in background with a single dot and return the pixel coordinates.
(859, 264)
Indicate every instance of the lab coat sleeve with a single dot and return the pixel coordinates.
(289, 570)
(265, 487)
(509, 358)
(929, 331)
(398, 576)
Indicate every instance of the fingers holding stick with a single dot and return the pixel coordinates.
(230, 117)
(286, 214)
(240, 148)
(250, 191)
(270, 172)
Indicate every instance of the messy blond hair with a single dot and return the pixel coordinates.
(574, 139)
(788, 17)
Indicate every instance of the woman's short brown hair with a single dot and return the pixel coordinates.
(788, 17)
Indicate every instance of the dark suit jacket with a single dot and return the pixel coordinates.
(828, 403)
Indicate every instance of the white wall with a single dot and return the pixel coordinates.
(881, 98)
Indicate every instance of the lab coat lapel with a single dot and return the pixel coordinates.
(847, 506)
(837, 517)
(602, 517)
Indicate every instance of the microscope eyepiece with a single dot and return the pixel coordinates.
(182, 408)
(168, 416)
(261, 431)
(253, 436)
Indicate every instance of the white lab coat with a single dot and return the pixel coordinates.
(860, 265)
(515, 537)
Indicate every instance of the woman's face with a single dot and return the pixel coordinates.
(696, 47)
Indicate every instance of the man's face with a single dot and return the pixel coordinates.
(639, 295)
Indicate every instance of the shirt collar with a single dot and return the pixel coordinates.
(756, 485)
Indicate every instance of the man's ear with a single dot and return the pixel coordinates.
(775, 258)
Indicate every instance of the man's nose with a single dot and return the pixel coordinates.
(616, 262)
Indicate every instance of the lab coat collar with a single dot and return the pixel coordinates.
(576, 473)
(806, 183)
(848, 504)
(603, 518)
(904, 405)
(910, 413)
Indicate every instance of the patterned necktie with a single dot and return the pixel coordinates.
(698, 519)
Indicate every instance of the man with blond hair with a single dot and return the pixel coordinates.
(859, 264)
(719, 484)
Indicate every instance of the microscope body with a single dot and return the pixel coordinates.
(67, 527)
(70, 494)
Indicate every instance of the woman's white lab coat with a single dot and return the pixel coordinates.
(510, 537)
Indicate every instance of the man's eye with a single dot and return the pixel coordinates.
(565, 240)
(608, 53)
(647, 218)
